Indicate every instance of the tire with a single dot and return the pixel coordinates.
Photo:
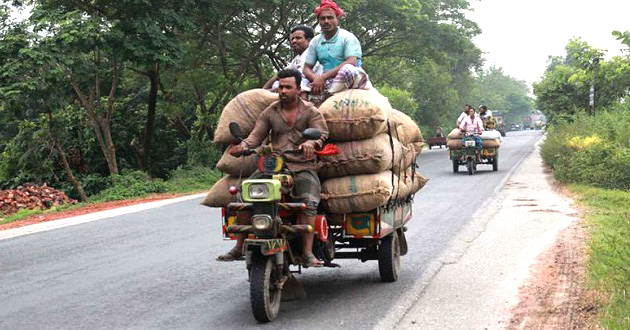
(389, 258)
(470, 166)
(265, 299)
(495, 164)
(455, 166)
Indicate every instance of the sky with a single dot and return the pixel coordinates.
(519, 36)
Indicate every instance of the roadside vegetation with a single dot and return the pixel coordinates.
(588, 147)
(134, 185)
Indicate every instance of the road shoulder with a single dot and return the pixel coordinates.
(477, 287)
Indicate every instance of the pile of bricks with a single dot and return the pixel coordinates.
(30, 196)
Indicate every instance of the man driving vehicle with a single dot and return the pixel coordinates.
(286, 119)
(338, 50)
(472, 125)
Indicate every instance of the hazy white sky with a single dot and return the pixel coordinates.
(519, 35)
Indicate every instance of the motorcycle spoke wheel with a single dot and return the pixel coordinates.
(264, 294)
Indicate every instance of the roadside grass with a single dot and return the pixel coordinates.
(135, 185)
(608, 219)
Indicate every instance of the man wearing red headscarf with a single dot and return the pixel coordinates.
(338, 50)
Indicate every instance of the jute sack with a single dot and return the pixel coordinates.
(407, 130)
(241, 166)
(244, 109)
(417, 147)
(455, 134)
(407, 185)
(356, 114)
(357, 193)
(491, 143)
(358, 157)
(490, 135)
(454, 144)
(404, 156)
(219, 195)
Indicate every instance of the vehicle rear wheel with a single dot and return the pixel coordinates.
(470, 165)
(495, 164)
(265, 296)
(455, 166)
(389, 258)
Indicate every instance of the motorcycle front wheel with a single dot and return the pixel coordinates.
(265, 295)
(470, 165)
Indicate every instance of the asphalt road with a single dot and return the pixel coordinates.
(155, 269)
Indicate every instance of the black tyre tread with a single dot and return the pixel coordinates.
(386, 266)
(257, 288)
(495, 164)
(455, 166)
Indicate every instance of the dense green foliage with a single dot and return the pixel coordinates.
(609, 252)
(592, 150)
(587, 145)
(92, 90)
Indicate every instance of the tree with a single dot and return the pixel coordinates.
(565, 87)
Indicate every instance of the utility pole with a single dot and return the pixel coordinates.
(591, 101)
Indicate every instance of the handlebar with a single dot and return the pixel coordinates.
(247, 152)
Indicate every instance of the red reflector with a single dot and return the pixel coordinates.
(233, 190)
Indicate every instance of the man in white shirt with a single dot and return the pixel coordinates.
(463, 115)
(486, 117)
(300, 37)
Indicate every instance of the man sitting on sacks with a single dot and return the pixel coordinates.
(286, 119)
(472, 124)
(299, 38)
(486, 117)
(339, 51)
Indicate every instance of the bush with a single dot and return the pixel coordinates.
(193, 178)
(592, 150)
(130, 185)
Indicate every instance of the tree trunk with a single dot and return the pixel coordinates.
(66, 167)
(150, 124)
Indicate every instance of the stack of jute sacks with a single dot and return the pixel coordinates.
(244, 109)
(377, 150)
(490, 139)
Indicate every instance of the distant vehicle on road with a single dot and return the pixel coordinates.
(436, 141)
(527, 122)
(515, 127)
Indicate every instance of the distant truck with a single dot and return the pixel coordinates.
(527, 122)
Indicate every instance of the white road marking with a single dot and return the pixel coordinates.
(60, 223)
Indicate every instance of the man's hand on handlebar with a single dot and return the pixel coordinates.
(308, 150)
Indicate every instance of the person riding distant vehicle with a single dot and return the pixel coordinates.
(299, 38)
(472, 125)
(438, 131)
(339, 51)
(282, 122)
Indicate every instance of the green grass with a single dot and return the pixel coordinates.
(137, 185)
(608, 219)
(24, 213)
